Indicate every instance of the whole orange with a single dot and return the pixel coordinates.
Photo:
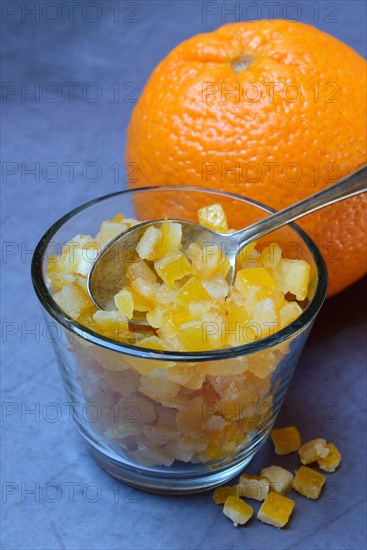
(272, 110)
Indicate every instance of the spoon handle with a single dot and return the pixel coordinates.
(351, 185)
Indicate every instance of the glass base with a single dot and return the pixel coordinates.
(176, 479)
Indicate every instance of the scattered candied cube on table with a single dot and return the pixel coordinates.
(255, 487)
(308, 482)
(237, 510)
(312, 450)
(331, 461)
(280, 479)
(286, 440)
(276, 509)
(221, 494)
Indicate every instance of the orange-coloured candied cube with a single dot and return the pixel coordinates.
(124, 302)
(331, 461)
(253, 276)
(313, 450)
(308, 482)
(192, 290)
(255, 487)
(173, 267)
(276, 510)
(221, 494)
(140, 269)
(237, 510)
(213, 217)
(286, 440)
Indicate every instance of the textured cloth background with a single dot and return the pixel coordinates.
(72, 72)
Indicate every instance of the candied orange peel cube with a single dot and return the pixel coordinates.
(173, 267)
(255, 487)
(308, 482)
(286, 440)
(280, 479)
(124, 302)
(221, 494)
(276, 510)
(331, 461)
(237, 510)
(213, 217)
(191, 290)
(313, 450)
(253, 276)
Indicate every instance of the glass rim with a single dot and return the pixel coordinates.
(45, 297)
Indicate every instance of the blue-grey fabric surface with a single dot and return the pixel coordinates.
(87, 63)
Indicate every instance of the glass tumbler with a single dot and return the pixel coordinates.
(174, 422)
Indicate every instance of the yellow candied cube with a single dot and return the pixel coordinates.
(193, 337)
(286, 440)
(173, 267)
(255, 487)
(153, 342)
(280, 479)
(289, 312)
(206, 260)
(174, 317)
(59, 280)
(149, 293)
(192, 290)
(199, 308)
(294, 276)
(221, 494)
(73, 300)
(237, 510)
(312, 450)
(308, 482)
(262, 363)
(266, 317)
(109, 230)
(124, 302)
(276, 510)
(171, 237)
(213, 217)
(216, 286)
(253, 276)
(111, 324)
(118, 218)
(149, 245)
(139, 269)
(271, 255)
(224, 266)
(155, 316)
(331, 462)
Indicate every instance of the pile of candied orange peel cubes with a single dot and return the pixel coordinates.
(184, 293)
(274, 482)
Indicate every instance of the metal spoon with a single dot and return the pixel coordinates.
(107, 276)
